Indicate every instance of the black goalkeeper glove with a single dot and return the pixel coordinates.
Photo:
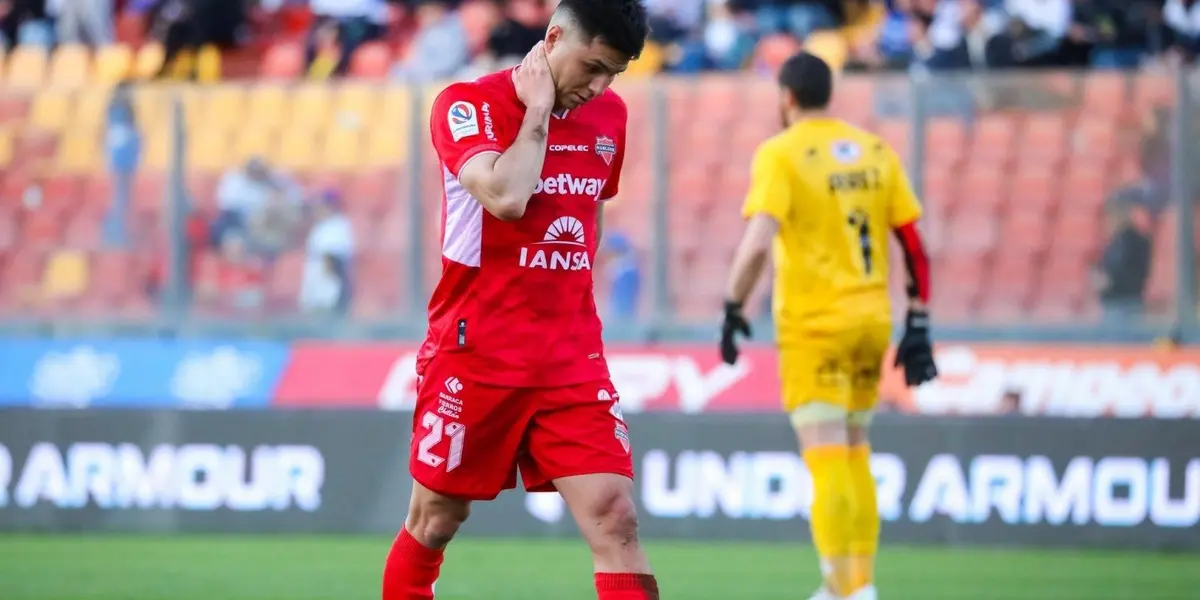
(735, 322)
(915, 351)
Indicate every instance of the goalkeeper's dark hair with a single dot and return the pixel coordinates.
(620, 24)
(809, 79)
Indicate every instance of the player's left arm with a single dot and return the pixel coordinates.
(915, 351)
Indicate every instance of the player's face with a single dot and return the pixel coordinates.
(582, 69)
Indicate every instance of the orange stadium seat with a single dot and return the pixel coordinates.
(6, 148)
(252, 142)
(283, 60)
(356, 105)
(993, 140)
(79, 151)
(70, 66)
(296, 149)
(221, 107)
(91, 106)
(208, 150)
(371, 60)
(26, 68)
(310, 107)
(341, 150)
(1043, 139)
(1105, 94)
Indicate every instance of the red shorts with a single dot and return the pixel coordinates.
(469, 438)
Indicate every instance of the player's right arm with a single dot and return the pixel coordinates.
(468, 142)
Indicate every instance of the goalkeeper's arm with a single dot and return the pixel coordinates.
(915, 351)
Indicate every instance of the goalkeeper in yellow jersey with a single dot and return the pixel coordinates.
(824, 196)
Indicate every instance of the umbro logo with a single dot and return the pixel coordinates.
(453, 385)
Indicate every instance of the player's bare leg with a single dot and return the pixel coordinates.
(602, 504)
(824, 441)
(415, 560)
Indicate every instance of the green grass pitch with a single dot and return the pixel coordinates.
(348, 568)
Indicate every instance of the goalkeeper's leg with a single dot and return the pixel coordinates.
(864, 532)
(823, 433)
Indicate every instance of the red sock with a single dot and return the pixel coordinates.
(626, 586)
(411, 569)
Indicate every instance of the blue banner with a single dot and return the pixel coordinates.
(140, 373)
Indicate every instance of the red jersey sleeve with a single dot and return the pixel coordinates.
(462, 126)
(614, 180)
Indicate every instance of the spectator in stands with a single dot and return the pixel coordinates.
(1182, 18)
(24, 22)
(523, 26)
(1111, 33)
(329, 255)
(1120, 277)
(439, 49)
(625, 279)
(327, 58)
(796, 17)
(82, 21)
(727, 42)
(355, 22)
(237, 284)
(1034, 36)
(864, 25)
(959, 34)
(256, 202)
(123, 143)
(675, 27)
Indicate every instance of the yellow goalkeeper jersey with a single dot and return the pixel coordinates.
(836, 191)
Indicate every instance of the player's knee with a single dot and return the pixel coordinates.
(616, 516)
(434, 520)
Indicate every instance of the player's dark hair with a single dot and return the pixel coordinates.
(620, 24)
(809, 79)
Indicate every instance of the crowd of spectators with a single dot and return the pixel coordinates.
(434, 39)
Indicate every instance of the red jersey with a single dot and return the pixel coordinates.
(515, 304)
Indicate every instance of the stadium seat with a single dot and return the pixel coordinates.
(371, 60)
(91, 108)
(649, 63)
(9, 232)
(113, 64)
(310, 107)
(22, 274)
(70, 66)
(773, 50)
(385, 149)
(208, 64)
(1043, 139)
(356, 105)
(341, 150)
(42, 228)
(945, 141)
(26, 68)
(149, 61)
(1105, 94)
(252, 142)
(78, 152)
(52, 109)
(6, 148)
(296, 150)
(267, 107)
(66, 275)
(282, 61)
(220, 107)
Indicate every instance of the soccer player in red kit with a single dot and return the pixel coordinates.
(512, 373)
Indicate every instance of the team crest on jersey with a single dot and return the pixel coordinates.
(846, 151)
(606, 148)
(462, 120)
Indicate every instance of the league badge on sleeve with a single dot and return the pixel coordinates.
(462, 120)
(606, 148)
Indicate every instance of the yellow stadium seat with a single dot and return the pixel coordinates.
(51, 109)
(27, 68)
(78, 152)
(356, 105)
(266, 106)
(297, 150)
(158, 149)
(252, 142)
(385, 148)
(208, 150)
(66, 275)
(114, 63)
(208, 64)
(70, 65)
(91, 108)
(224, 108)
(395, 113)
(649, 63)
(149, 61)
(830, 46)
(342, 149)
(311, 107)
(150, 106)
(6, 147)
